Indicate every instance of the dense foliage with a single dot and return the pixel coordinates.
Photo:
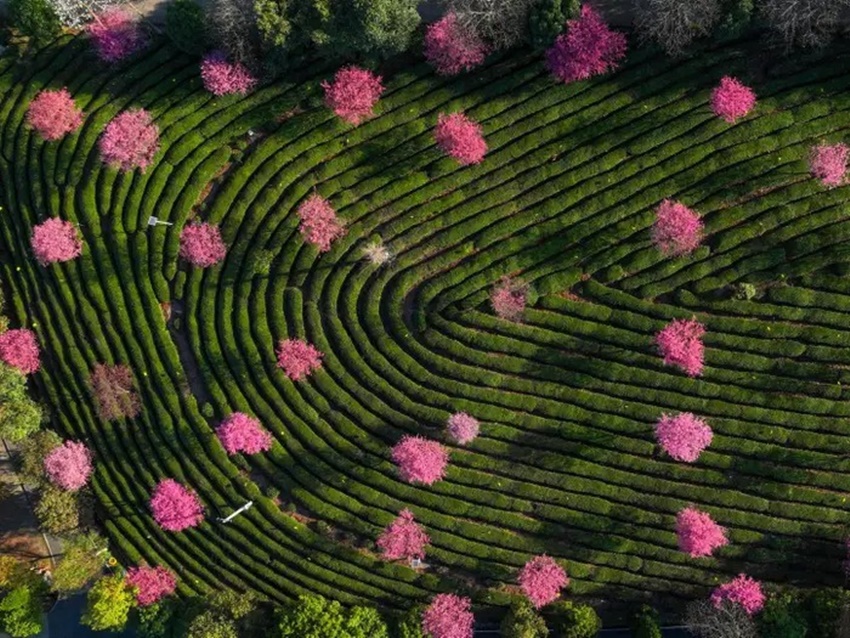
(69, 465)
(55, 240)
(53, 114)
(743, 591)
(297, 358)
(683, 436)
(240, 432)
(448, 616)
(461, 138)
(680, 344)
(108, 604)
(353, 93)
(732, 100)
(404, 538)
(19, 349)
(151, 583)
(201, 244)
(420, 460)
(319, 224)
(698, 534)
(588, 48)
(677, 229)
(175, 507)
(541, 580)
(130, 140)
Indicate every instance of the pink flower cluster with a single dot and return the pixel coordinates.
(541, 580)
(698, 534)
(175, 507)
(450, 48)
(152, 584)
(677, 229)
(53, 114)
(420, 460)
(201, 245)
(587, 48)
(221, 77)
(319, 224)
(743, 591)
(19, 349)
(732, 100)
(448, 616)
(55, 240)
(404, 538)
(683, 436)
(461, 138)
(69, 465)
(242, 433)
(508, 299)
(680, 343)
(353, 94)
(828, 163)
(297, 358)
(130, 140)
(116, 35)
(462, 428)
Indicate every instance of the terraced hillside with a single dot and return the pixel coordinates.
(566, 463)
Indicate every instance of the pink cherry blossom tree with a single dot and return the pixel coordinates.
(448, 616)
(683, 436)
(297, 358)
(732, 100)
(175, 507)
(201, 244)
(451, 48)
(541, 580)
(743, 590)
(677, 229)
(420, 460)
(53, 114)
(587, 48)
(113, 389)
(152, 584)
(130, 140)
(698, 534)
(242, 433)
(680, 343)
(461, 138)
(116, 35)
(828, 163)
(222, 77)
(508, 298)
(19, 349)
(353, 93)
(404, 538)
(55, 240)
(319, 224)
(462, 428)
(69, 465)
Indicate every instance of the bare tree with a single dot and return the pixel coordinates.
(729, 620)
(76, 13)
(804, 23)
(674, 24)
(501, 23)
(234, 29)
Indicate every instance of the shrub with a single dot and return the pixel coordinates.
(645, 623)
(211, 624)
(588, 48)
(319, 224)
(732, 100)
(108, 604)
(53, 114)
(81, 562)
(450, 48)
(743, 591)
(19, 349)
(55, 240)
(404, 538)
(461, 138)
(297, 358)
(508, 299)
(462, 428)
(364, 622)
(201, 245)
(312, 616)
(677, 229)
(680, 343)
(174, 507)
(242, 433)
(541, 580)
(20, 416)
(448, 616)
(69, 466)
(112, 387)
(574, 620)
(130, 140)
(523, 621)
(116, 35)
(35, 18)
(222, 77)
(21, 612)
(33, 449)
(420, 460)
(698, 534)
(151, 583)
(782, 617)
(828, 163)
(683, 436)
(184, 25)
(57, 510)
(353, 93)
(546, 21)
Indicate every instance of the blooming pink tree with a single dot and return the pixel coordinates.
(19, 349)
(175, 507)
(201, 245)
(683, 436)
(680, 343)
(461, 138)
(130, 140)
(541, 580)
(297, 358)
(828, 163)
(677, 229)
(743, 590)
(732, 100)
(113, 389)
(448, 616)
(462, 428)
(353, 94)
(698, 534)
(420, 460)
(451, 48)
(116, 35)
(587, 48)
(242, 433)
(404, 538)
(152, 584)
(69, 465)
(508, 299)
(55, 240)
(222, 77)
(319, 224)
(53, 114)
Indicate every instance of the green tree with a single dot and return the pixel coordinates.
(575, 620)
(157, 620)
(210, 624)
(35, 18)
(645, 623)
(184, 24)
(20, 611)
(546, 21)
(409, 624)
(523, 621)
(312, 616)
(233, 604)
(32, 452)
(737, 17)
(20, 416)
(365, 622)
(374, 29)
(58, 511)
(81, 562)
(108, 603)
(822, 610)
(782, 617)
